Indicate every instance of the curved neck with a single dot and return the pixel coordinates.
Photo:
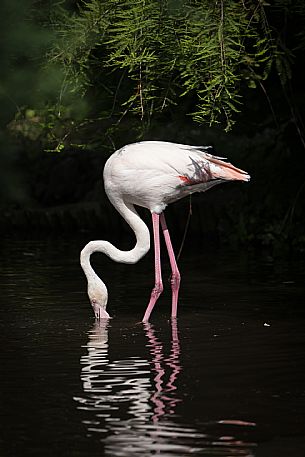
(142, 246)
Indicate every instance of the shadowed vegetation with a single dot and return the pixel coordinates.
(81, 79)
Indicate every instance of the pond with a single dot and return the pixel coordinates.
(226, 378)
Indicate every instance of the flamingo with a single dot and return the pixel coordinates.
(152, 174)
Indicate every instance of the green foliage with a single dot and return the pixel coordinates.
(138, 60)
(142, 56)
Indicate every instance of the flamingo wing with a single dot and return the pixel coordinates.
(155, 173)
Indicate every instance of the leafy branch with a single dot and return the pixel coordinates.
(143, 56)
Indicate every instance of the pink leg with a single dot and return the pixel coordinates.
(175, 279)
(158, 289)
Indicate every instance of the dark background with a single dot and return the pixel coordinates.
(58, 192)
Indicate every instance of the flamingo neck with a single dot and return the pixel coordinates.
(142, 246)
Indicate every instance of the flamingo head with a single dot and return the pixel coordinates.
(98, 297)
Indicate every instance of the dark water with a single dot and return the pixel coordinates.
(226, 379)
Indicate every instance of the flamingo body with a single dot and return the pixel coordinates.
(152, 174)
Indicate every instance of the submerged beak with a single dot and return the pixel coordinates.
(100, 313)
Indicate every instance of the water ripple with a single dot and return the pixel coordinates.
(131, 403)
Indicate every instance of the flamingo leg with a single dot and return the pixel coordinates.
(175, 279)
(158, 288)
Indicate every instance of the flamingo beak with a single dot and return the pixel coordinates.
(100, 312)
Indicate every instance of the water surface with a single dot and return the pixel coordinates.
(226, 378)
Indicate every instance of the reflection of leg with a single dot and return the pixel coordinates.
(175, 279)
(158, 288)
(156, 350)
(164, 396)
(174, 359)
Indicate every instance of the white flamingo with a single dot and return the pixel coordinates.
(152, 174)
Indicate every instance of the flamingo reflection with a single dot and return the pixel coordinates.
(130, 403)
(109, 383)
(162, 398)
